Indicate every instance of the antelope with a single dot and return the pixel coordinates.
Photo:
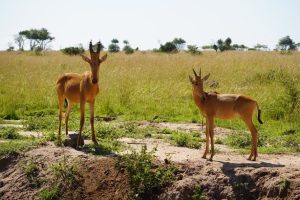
(225, 106)
(80, 88)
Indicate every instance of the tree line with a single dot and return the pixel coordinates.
(38, 40)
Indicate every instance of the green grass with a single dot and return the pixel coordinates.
(12, 147)
(10, 133)
(146, 178)
(65, 178)
(184, 139)
(31, 170)
(155, 87)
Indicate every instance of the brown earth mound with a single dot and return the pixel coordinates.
(98, 178)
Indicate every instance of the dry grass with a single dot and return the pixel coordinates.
(144, 85)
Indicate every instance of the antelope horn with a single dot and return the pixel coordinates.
(195, 73)
(200, 73)
(91, 47)
(98, 46)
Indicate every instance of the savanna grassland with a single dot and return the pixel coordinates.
(141, 91)
(155, 86)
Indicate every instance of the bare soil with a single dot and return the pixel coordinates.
(229, 176)
(98, 177)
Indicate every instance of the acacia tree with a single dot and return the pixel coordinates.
(260, 46)
(168, 47)
(179, 43)
(227, 43)
(286, 44)
(38, 38)
(114, 47)
(127, 48)
(220, 44)
(215, 47)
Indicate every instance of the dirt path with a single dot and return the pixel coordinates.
(164, 150)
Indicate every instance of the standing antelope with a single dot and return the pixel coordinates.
(224, 106)
(80, 88)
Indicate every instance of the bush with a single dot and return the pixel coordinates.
(168, 47)
(128, 50)
(52, 193)
(193, 49)
(186, 140)
(31, 170)
(73, 51)
(146, 179)
(9, 133)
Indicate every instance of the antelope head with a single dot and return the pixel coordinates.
(95, 61)
(197, 83)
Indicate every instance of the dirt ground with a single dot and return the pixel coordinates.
(99, 178)
(229, 176)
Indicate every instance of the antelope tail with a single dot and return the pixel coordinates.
(259, 115)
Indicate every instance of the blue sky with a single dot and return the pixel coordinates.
(147, 23)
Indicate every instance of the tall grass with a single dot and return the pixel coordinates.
(144, 85)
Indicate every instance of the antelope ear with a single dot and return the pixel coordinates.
(103, 58)
(86, 59)
(206, 77)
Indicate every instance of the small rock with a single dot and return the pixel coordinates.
(71, 140)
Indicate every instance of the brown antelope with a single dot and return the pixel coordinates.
(80, 88)
(224, 106)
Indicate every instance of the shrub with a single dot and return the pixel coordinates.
(186, 140)
(146, 179)
(238, 140)
(31, 171)
(52, 193)
(73, 50)
(128, 50)
(193, 49)
(9, 133)
(168, 47)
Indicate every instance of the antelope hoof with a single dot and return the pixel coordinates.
(210, 159)
(204, 156)
(254, 159)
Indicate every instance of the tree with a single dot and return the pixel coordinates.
(20, 40)
(38, 38)
(114, 47)
(215, 47)
(286, 44)
(260, 46)
(221, 45)
(44, 38)
(193, 49)
(168, 47)
(227, 44)
(126, 42)
(179, 43)
(127, 48)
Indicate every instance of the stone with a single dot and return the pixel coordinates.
(71, 140)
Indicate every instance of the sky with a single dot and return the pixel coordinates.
(146, 24)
